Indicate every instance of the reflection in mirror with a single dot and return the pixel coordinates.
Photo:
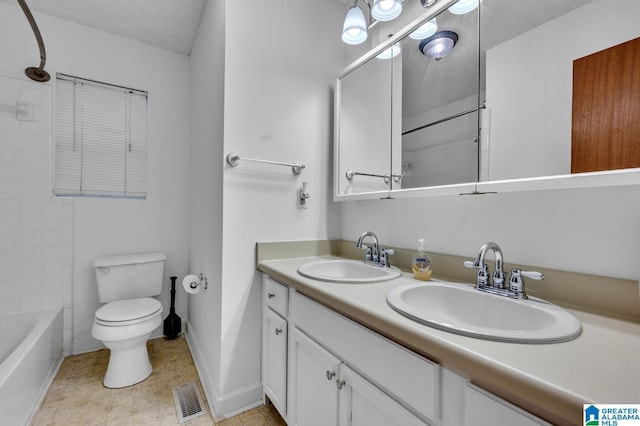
(529, 52)
(440, 103)
(532, 48)
(364, 129)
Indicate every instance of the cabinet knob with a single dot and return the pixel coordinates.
(330, 375)
(278, 331)
(271, 295)
(340, 384)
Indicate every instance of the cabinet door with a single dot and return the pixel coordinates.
(274, 362)
(363, 404)
(313, 391)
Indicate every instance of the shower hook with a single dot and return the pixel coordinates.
(35, 73)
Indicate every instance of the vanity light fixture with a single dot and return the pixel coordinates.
(438, 45)
(354, 30)
(390, 52)
(425, 30)
(386, 10)
(463, 6)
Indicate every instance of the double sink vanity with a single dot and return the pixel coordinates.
(349, 343)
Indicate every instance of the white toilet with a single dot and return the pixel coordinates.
(124, 324)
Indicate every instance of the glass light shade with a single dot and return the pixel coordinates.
(354, 30)
(425, 30)
(463, 6)
(439, 45)
(386, 10)
(390, 52)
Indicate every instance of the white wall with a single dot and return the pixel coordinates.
(278, 105)
(205, 184)
(104, 226)
(584, 230)
(529, 86)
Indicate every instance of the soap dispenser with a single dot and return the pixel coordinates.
(421, 263)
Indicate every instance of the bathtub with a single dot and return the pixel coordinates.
(30, 355)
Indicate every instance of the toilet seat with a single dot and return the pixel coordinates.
(127, 312)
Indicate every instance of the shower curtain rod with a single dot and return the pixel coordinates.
(35, 73)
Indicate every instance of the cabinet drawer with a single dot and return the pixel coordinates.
(401, 373)
(275, 296)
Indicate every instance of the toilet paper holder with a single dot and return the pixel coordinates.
(193, 284)
(204, 282)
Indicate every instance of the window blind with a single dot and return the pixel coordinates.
(100, 139)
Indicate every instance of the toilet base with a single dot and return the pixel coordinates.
(127, 366)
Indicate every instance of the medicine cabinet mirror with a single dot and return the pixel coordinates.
(509, 83)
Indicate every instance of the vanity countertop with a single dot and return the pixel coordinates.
(552, 381)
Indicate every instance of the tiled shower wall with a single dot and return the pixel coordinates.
(35, 227)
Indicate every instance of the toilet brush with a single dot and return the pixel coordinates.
(173, 323)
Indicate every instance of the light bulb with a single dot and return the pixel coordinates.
(390, 52)
(425, 30)
(386, 4)
(463, 6)
(354, 30)
(386, 10)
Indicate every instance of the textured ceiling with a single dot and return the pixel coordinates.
(169, 24)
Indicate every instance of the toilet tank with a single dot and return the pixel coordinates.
(129, 276)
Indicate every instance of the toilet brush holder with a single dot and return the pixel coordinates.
(172, 324)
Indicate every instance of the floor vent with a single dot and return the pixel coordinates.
(189, 403)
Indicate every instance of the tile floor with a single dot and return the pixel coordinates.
(77, 396)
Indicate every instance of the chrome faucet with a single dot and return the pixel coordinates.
(483, 271)
(496, 285)
(374, 255)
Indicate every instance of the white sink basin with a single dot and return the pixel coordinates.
(347, 271)
(464, 310)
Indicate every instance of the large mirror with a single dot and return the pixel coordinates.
(515, 99)
(440, 99)
(363, 155)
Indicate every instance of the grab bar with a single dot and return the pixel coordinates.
(233, 160)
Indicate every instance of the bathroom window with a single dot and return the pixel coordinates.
(100, 139)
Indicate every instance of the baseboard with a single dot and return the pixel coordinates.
(205, 376)
(239, 401)
(222, 407)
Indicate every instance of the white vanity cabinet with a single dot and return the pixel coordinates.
(363, 404)
(274, 343)
(322, 369)
(368, 379)
(313, 372)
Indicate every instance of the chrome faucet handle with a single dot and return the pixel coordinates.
(384, 256)
(368, 257)
(516, 282)
(375, 254)
(482, 277)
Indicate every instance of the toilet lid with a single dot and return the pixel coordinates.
(127, 310)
